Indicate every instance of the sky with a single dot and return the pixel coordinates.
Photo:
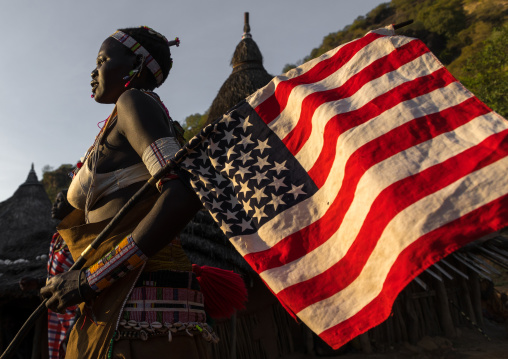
(49, 49)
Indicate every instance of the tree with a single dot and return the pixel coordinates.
(193, 124)
(487, 72)
(57, 180)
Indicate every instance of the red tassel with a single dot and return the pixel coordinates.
(224, 290)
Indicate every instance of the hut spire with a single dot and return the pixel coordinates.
(32, 177)
(246, 26)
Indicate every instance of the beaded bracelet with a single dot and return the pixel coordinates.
(125, 257)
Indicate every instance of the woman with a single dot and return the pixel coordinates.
(135, 306)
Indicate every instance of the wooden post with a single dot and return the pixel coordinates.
(445, 317)
(476, 298)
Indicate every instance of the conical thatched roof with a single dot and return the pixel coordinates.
(25, 233)
(202, 239)
(247, 77)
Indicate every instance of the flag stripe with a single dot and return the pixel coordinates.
(397, 58)
(424, 156)
(307, 239)
(288, 118)
(399, 86)
(343, 122)
(269, 109)
(383, 210)
(446, 239)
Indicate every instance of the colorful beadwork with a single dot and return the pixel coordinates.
(136, 47)
(125, 257)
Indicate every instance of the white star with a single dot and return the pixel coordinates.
(203, 156)
(188, 163)
(227, 120)
(242, 171)
(279, 167)
(244, 123)
(245, 225)
(234, 201)
(260, 176)
(262, 146)
(202, 193)
(228, 136)
(213, 146)
(218, 191)
(203, 170)
(205, 181)
(276, 201)
(218, 178)
(228, 166)
(262, 162)
(230, 215)
(246, 206)
(215, 162)
(259, 214)
(216, 205)
(245, 141)
(245, 157)
(244, 188)
(230, 152)
(295, 191)
(225, 227)
(259, 193)
(277, 183)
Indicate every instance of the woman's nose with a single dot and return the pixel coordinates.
(94, 73)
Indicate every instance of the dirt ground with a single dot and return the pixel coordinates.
(469, 343)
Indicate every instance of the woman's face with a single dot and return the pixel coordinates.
(61, 207)
(114, 62)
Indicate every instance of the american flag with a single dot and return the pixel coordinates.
(342, 180)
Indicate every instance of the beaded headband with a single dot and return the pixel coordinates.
(136, 47)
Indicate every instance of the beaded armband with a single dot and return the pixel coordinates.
(157, 154)
(125, 257)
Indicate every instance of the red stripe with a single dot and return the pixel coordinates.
(295, 140)
(384, 209)
(345, 121)
(414, 260)
(385, 146)
(269, 109)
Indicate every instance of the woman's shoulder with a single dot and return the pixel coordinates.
(134, 98)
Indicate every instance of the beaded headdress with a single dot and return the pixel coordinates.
(138, 49)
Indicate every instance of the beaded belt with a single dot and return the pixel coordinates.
(165, 297)
(143, 331)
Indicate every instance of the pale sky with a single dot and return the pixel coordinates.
(49, 48)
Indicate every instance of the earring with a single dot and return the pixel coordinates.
(134, 72)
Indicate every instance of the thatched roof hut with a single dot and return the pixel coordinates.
(248, 75)
(25, 232)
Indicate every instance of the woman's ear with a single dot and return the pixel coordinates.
(138, 62)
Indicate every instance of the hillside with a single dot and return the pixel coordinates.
(470, 37)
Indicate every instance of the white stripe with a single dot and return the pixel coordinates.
(434, 211)
(261, 95)
(374, 51)
(422, 66)
(315, 207)
(373, 182)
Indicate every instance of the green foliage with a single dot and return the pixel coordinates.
(57, 180)
(193, 124)
(486, 72)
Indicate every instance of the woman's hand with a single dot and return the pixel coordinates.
(63, 291)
